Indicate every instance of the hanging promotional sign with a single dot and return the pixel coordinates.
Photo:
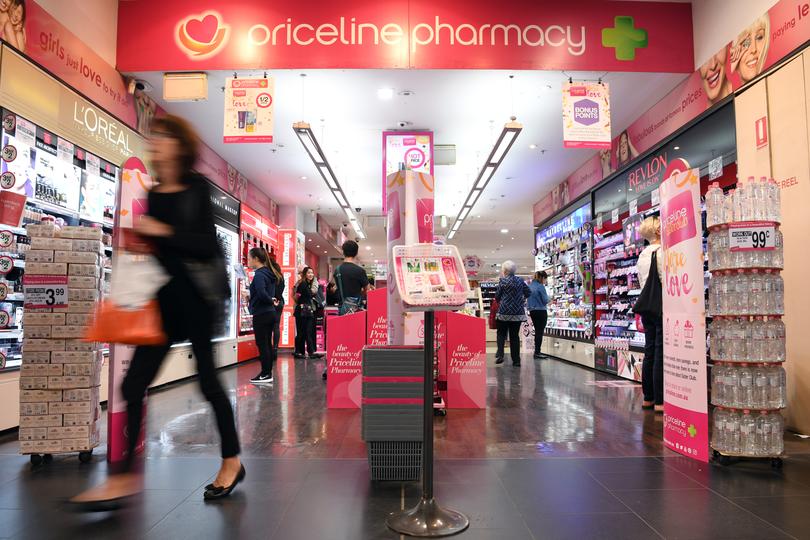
(417, 34)
(249, 110)
(686, 414)
(586, 115)
(405, 151)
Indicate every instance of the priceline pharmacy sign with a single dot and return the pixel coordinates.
(416, 34)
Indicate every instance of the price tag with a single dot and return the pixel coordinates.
(751, 237)
(634, 207)
(599, 221)
(6, 264)
(716, 168)
(45, 291)
(5, 318)
(656, 197)
(614, 215)
(9, 122)
(8, 153)
(7, 180)
(264, 100)
(6, 238)
(3, 291)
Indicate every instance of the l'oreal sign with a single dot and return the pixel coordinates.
(101, 127)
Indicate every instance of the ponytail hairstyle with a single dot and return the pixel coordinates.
(260, 254)
(274, 266)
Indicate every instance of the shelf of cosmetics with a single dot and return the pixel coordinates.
(752, 200)
(722, 258)
(746, 433)
(746, 292)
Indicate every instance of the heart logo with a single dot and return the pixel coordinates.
(202, 35)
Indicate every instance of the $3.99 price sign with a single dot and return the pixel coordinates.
(45, 291)
(751, 236)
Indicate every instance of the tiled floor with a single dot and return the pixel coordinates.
(553, 457)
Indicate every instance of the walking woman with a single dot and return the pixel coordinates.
(306, 304)
(263, 308)
(649, 306)
(538, 310)
(180, 226)
(511, 295)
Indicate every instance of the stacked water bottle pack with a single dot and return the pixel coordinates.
(747, 335)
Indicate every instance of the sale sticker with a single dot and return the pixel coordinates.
(9, 122)
(9, 153)
(45, 291)
(5, 318)
(6, 264)
(3, 291)
(751, 237)
(7, 180)
(6, 238)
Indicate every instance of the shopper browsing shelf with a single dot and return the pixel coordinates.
(538, 311)
(306, 307)
(180, 224)
(351, 280)
(511, 296)
(649, 306)
(262, 306)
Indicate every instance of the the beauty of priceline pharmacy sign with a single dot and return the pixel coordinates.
(156, 35)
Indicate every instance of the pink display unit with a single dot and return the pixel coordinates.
(377, 318)
(345, 339)
(465, 360)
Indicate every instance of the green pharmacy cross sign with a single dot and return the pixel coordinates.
(692, 430)
(624, 38)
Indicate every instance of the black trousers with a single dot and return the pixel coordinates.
(652, 370)
(264, 326)
(185, 315)
(539, 320)
(277, 328)
(513, 329)
(305, 335)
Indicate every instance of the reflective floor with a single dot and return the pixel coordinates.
(561, 452)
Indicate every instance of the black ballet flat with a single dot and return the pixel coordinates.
(213, 492)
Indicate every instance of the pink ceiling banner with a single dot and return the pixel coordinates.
(542, 209)
(32, 30)
(211, 165)
(260, 202)
(155, 35)
(585, 178)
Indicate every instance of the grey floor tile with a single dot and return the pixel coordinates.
(790, 513)
(662, 479)
(626, 526)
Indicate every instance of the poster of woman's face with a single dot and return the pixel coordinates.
(750, 49)
(715, 78)
(12, 23)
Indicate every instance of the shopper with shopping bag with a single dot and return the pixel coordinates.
(179, 224)
(649, 305)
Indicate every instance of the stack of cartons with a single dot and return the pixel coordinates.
(61, 374)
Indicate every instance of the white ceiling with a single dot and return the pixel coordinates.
(465, 108)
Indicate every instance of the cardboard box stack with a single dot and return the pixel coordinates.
(61, 374)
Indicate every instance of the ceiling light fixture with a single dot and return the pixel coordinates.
(677, 148)
(316, 154)
(368, 248)
(385, 93)
(532, 146)
(303, 178)
(504, 231)
(507, 138)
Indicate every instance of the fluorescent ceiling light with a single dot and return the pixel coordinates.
(385, 93)
(463, 214)
(532, 146)
(451, 234)
(504, 231)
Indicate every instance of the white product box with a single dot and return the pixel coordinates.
(82, 282)
(75, 357)
(77, 307)
(81, 394)
(35, 396)
(79, 445)
(54, 244)
(68, 332)
(40, 447)
(68, 432)
(83, 295)
(73, 345)
(36, 345)
(39, 310)
(65, 382)
(83, 408)
(81, 233)
(81, 370)
(75, 257)
(42, 319)
(90, 246)
(34, 383)
(38, 332)
(46, 230)
(34, 409)
(39, 255)
(43, 420)
(33, 434)
(84, 270)
(41, 370)
(41, 357)
(46, 269)
(80, 419)
(79, 319)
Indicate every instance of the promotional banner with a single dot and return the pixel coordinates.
(249, 110)
(466, 359)
(377, 318)
(345, 339)
(155, 35)
(405, 151)
(586, 115)
(686, 409)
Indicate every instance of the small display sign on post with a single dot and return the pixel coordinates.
(45, 291)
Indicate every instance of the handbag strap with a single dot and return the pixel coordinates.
(339, 280)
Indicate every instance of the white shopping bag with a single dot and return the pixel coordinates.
(136, 279)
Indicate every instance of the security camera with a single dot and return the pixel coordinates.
(402, 124)
(140, 86)
(358, 209)
(345, 223)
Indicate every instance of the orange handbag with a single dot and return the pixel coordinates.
(139, 326)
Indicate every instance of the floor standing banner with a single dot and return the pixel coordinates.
(345, 340)
(686, 415)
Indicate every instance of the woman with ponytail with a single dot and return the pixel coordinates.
(262, 306)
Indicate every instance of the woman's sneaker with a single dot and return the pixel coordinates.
(262, 379)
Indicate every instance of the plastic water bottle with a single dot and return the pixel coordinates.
(764, 427)
(733, 433)
(719, 431)
(748, 438)
(746, 388)
(739, 201)
(757, 349)
(777, 391)
(778, 330)
(714, 205)
(777, 441)
(761, 388)
(761, 208)
(728, 205)
(746, 337)
(734, 399)
(779, 294)
(718, 388)
(741, 294)
(776, 200)
(777, 255)
(755, 291)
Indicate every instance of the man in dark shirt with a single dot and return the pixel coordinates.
(351, 279)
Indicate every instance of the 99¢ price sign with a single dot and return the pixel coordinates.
(45, 291)
(751, 236)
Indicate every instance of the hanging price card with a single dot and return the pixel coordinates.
(45, 291)
(634, 207)
(655, 197)
(614, 216)
(599, 221)
(751, 236)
